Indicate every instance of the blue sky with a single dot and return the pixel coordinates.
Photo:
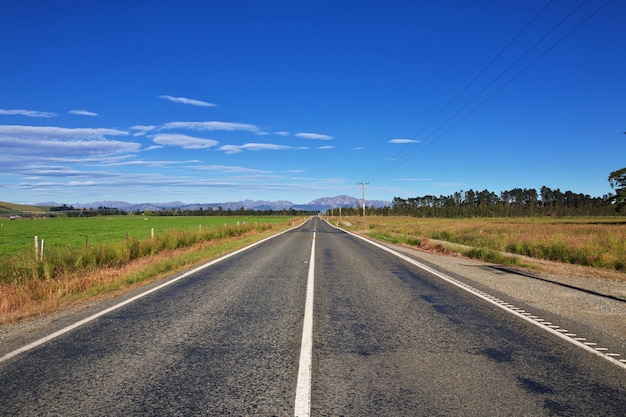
(216, 101)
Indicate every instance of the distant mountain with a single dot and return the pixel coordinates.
(320, 204)
(346, 201)
(254, 205)
(122, 205)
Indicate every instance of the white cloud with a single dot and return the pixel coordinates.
(49, 142)
(358, 148)
(231, 169)
(315, 136)
(83, 113)
(141, 130)
(30, 149)
(253, 147)
(403, 141)
(52, 132)
(225, 126)
(147, 163)
(189, 101)
(325, 147)
(37, 171)
(184, 141)
(29, 113)
(81, 183)
(282, 133)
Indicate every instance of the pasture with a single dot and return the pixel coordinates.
(17, 236)
(88, 257)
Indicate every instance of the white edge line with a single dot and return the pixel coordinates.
(489, 300)
(130, 300)
(302, 407)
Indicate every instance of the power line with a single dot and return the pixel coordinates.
(401, 150)
(486, 66)
(520, 72)
(413, 149)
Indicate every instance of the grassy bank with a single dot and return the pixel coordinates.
(598, 242)
(31, 285)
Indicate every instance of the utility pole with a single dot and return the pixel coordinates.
(363, 184)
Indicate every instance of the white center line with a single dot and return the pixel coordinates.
(303, 387)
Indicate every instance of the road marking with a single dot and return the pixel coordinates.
(543, 324)
(303, 387)
(130, 300)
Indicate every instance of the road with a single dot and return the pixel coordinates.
(388, 339)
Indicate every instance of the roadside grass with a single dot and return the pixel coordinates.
(597, 242)
(30, 286)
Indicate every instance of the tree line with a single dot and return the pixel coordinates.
(70, 211)
(512, 203)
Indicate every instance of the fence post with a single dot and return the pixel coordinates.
(36, 245)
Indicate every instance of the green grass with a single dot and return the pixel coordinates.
(17, 236)
(68, 272)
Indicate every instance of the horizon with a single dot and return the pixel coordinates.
(280, 101)
(314, 201)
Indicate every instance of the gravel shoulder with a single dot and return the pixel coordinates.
(589, 302)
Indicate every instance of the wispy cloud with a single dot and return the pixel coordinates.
(184, 141)
(36, 144)
(189, 101)
(283, 133)
(37, 171)
(325, 147)
(403, 141)
(253, 147)
(83, 113)
(145, 163)
(29, 113)
(81, 183)
(141, 130)
(358, 148)
(224, 126)
(232, 169)
(53, 132)
(315, 136)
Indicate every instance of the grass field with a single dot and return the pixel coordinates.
(90, 257)
(17, 236)
(589, 241)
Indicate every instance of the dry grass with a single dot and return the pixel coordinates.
(599, 243)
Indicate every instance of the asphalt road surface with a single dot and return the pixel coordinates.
(388, 339)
